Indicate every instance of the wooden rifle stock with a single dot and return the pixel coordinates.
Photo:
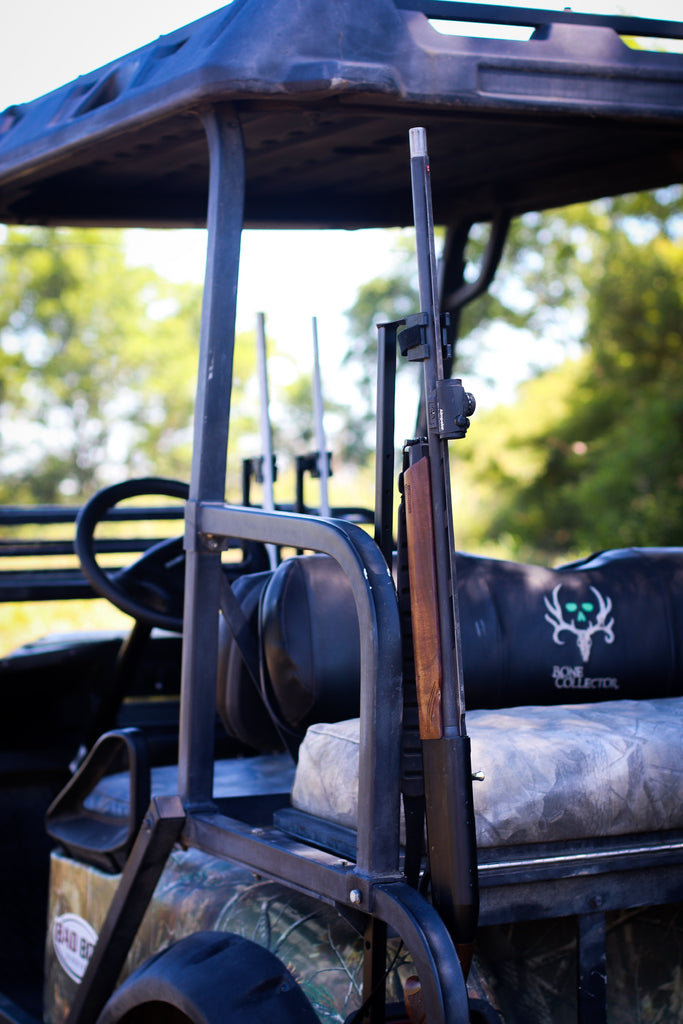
(423, 597)
(446, 753)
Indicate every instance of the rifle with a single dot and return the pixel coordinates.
(433, 594)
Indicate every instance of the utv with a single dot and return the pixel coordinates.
(347, 846)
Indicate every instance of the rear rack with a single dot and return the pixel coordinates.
(44, 579)
(528, 17)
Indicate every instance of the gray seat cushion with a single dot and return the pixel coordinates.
(552, 773)
(270, 774)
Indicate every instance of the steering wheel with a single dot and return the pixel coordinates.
(150, 588)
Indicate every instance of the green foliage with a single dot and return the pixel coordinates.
(591, 455)
(526, 295)
(383, 299)
(97, 365)
(290, 401)
(98, 368)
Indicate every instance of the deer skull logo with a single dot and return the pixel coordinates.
(579, 623)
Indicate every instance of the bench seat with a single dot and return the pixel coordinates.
(552, 773)
(240, 778)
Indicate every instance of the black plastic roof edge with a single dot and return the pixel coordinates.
(345, 78)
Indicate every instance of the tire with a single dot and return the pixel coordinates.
(210, 978)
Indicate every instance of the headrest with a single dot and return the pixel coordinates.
(240, 705)
(310, 641)
(304, 618)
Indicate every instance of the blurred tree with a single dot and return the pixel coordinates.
(97, 365)
(525, 295)
(591, 456)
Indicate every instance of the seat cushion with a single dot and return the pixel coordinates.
(551, 773)
(267, 774)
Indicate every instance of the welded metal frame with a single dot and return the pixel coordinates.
(373, 884)
(207, 481)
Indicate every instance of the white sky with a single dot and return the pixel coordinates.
(45, 43)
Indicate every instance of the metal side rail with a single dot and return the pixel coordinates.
(557, 879)
(585, 880)
(43, 575)
(380, 655)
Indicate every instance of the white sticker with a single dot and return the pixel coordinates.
(73, 940)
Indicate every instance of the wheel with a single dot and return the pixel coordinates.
(210, 978)
(150, 588)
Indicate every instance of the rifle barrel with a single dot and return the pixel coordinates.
(453, 699)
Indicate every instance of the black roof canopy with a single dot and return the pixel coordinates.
(326, 92)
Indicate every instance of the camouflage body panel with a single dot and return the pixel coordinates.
(531, 968)
(198, 892)
(528, 968)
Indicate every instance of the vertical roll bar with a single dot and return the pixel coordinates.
(216, 345)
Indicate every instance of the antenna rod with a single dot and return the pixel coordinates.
(318, 414)
(265, 429)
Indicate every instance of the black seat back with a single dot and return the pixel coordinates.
(309, 653)
(606, 628)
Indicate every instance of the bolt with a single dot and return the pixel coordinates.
(212, 542)
(478, 776)
(355, 896)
